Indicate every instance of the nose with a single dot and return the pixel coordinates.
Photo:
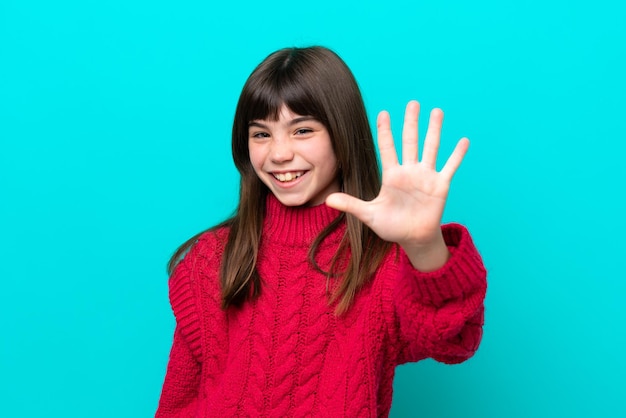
(281, 151)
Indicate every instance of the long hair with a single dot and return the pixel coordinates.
(313, 82)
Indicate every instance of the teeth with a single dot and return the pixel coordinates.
(285, 177)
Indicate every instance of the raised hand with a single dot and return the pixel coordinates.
(409, 207)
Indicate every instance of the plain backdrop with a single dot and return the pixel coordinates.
(115, 123)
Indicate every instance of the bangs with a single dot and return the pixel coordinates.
(269, 96)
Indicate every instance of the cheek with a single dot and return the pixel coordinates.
(327, 156)
(256, 158)
(327, 168)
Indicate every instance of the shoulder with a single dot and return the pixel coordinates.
(207, 247)
(200, 265)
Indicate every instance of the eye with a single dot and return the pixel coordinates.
(304, 131)
(259, 135)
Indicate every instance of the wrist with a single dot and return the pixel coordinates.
(427, 257)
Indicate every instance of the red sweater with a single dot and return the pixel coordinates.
(286, 353)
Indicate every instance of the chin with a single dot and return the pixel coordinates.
(295, 200)
(292, 201)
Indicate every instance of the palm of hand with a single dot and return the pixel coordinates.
(410, 205)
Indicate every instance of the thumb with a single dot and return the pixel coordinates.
(349, 204)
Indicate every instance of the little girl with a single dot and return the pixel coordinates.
(324, 280)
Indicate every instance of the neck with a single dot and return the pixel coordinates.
(296, 225)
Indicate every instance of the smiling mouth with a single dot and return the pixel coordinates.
(287, 177)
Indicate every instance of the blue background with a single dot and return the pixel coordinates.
(115, 123)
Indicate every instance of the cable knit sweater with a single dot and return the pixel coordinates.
(287, 353)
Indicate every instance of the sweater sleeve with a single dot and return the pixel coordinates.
(182, 380)
(440, 314)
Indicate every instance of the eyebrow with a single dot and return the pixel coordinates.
(292, 122)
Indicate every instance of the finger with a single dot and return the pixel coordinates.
(431, 143)
(349, 204)
(455, 159)
(409, 133)
(387, 149)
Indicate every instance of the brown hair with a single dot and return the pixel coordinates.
(311, 82)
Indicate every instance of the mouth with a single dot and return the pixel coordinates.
(288, 176)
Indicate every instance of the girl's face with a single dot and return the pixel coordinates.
(293, 156)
